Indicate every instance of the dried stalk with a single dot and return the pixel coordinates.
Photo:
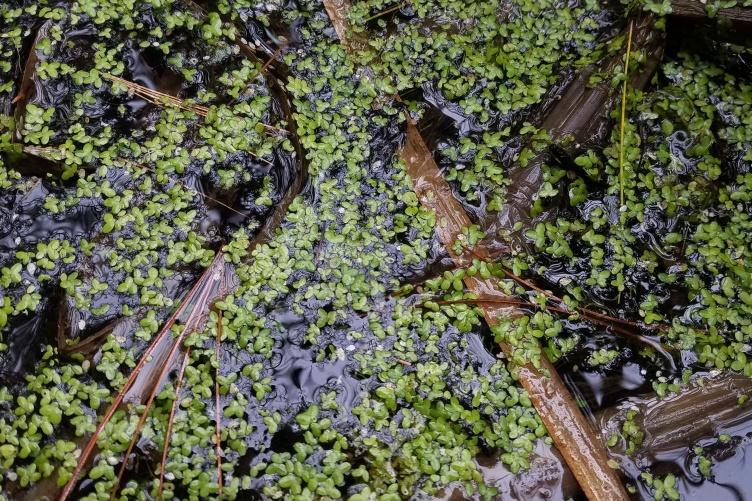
(54, 154)
(171, 421)
(586, 312)
(698, 411)
(191, 189)
(337, 11)
(158, 98)
(217, 410)
(272, 58)
(570, 431)
(622, 328)
(90, 344)
(211, 284)
(216, 271)
(387, 11)
(696, 9)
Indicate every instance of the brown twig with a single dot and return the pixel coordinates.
(171, 420)
(27, 89)
(273, 57)
(190, 188)
(337, 12)
(592, 316)
(142, 420)
(203, 293)
(157, 97)
(386, 11)
(217, 410)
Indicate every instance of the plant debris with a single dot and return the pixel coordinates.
(273, 250)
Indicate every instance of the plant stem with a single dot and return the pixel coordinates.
(171, 420)
(217, 410)
(623, 114)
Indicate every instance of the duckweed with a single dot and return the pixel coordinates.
(156, 134)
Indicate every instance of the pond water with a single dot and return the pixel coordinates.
(217, 280)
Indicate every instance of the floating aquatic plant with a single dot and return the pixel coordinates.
(352, 358)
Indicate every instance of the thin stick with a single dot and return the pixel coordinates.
(185, 186)
(386, 11)
(168, 364)
(120, 396)
(220, 203)
(273, 57)
(623, 114)
(279, 130)
(137, 432)
(585, 311)
(157, 97)
(171, 420)
(217, 410)
(587, 314)
(600, 319)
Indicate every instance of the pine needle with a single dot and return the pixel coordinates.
(159, 98)
(386, 11)
(171, 421)
(189, 188)
(199, 296)
(142, 420)
(617, 325)
(623, 115)
(273, 58)
(217, 409)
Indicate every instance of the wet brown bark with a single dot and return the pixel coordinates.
(337, 11)
(580, 119)
(680, 420)
(695, 8)
(580, 447)
(582, 450)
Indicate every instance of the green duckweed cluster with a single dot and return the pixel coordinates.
(137, 171)
(405, 398)
(674, 256)
(485, 65)
(685, 219)
(348, 368)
